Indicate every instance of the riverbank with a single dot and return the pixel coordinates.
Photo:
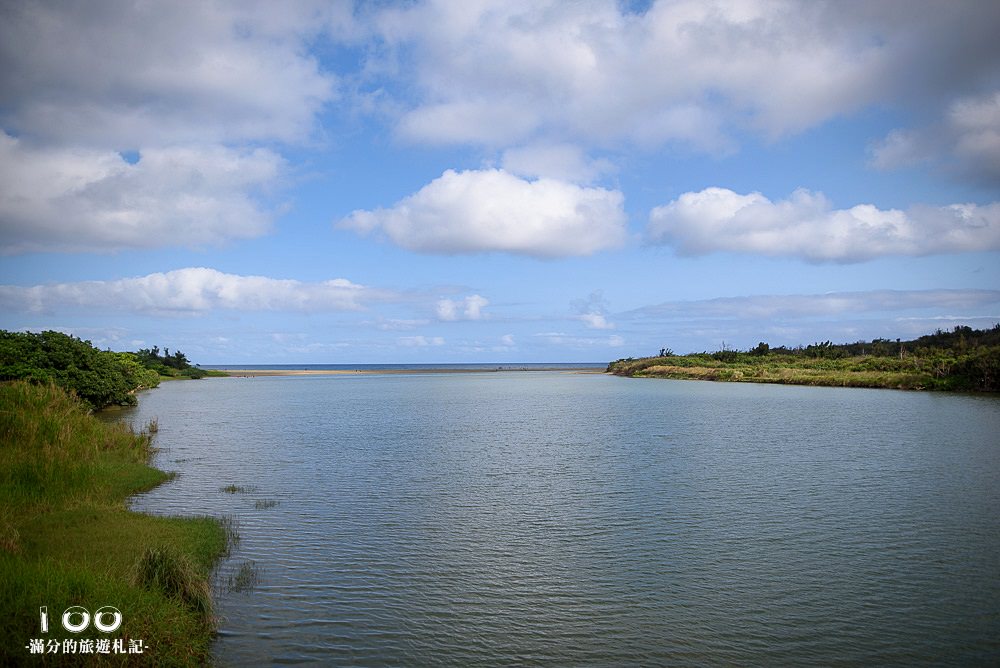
(910, 373)
(964, 359)
(67, 540)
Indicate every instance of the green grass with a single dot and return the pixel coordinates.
(67, 539)
(238, 489)
(876, 372)
(244, 578)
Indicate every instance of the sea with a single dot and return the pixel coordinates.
(553, 517)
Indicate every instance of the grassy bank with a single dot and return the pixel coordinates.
(790, 371)
(67, 539)
(962, 360)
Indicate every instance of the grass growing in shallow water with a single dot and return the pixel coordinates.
(238, 489)
(67, 539)
(244, 578)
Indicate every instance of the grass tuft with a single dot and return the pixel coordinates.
(238, 489)
(244, 579)
(176, 576)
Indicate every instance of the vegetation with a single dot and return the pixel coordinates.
(963, 359)
(67, 539)
(171, 366)
(100, 378)
(244, 578)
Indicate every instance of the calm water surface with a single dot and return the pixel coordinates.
(571, 519)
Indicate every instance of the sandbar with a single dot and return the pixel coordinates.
(251, 373)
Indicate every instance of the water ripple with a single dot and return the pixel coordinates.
(545, 518)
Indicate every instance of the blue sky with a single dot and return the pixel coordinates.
(336, 182)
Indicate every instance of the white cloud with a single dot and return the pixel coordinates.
(492, 210)
(507, 341)
(124, 75)
(558, 161)
(191, 87)
(470, 308)
(399, 324)
(966, 141)
(805, 225)
(593, 311)
(420, 341)
(827, 305)
(596, 321)
(694, 71)
(976, 122)
(87, 199)
(563, 339)
(192, 291)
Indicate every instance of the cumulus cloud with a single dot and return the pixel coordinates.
(492, 210)
(87, 199)
(192, 291)
(470, 308)
(189, 87)
(697, 72)
(806, 225)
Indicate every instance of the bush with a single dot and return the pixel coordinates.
(99, 378)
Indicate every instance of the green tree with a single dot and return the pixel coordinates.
(99, 378)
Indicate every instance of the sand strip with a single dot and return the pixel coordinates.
(251, 373)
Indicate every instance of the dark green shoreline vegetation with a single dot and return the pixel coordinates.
(68, 539)
(964, 359)
(66, 536)
(100, 378)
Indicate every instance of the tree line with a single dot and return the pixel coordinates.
(100, 378)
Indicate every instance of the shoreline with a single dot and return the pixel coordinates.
(69, 538)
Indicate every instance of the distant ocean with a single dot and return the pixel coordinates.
(506, 366)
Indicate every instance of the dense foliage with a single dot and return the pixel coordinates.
(98, 377)
(962, 359)
(167, 364)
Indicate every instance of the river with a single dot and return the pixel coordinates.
(560, 518)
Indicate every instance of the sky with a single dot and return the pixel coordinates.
(497, 181)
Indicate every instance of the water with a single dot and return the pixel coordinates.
(546, 518)
(506, 366)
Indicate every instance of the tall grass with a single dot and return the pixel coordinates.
(54, 452)
(67, 539)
